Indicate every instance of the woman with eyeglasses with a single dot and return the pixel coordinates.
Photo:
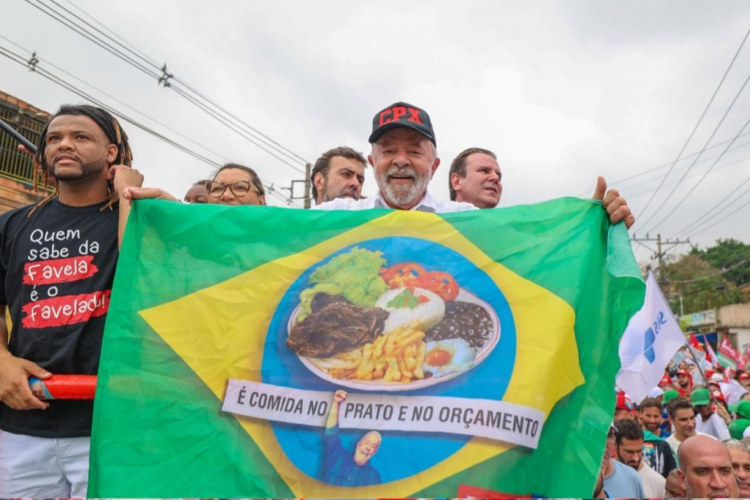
(236, 184)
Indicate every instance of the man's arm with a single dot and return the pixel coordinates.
(721, 427)
(123, 177)
(14, 375)
(333, 416)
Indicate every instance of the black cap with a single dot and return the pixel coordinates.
(405, 115)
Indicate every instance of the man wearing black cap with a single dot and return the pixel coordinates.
(404, 158)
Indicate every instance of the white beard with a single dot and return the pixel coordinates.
(403, 195)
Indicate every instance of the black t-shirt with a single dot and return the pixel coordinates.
(56, 272)
(659, 456)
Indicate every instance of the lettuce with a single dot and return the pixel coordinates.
(355, 275)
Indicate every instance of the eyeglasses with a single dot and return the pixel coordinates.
(239, 189)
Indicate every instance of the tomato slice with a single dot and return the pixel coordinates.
(442, 284)
(404, 275)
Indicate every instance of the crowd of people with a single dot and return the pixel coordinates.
(58, 259)
(683, 441)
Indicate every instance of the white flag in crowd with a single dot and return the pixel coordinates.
(652, 337)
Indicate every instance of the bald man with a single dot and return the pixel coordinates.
(341, 467)
(706, 469)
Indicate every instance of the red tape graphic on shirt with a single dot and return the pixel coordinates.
(65, 310)
(48, 272)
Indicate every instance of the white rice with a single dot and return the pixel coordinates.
(423, 317)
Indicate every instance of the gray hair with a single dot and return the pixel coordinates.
(735, 444)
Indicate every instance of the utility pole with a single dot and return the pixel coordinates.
(660, 252)
(307, 186)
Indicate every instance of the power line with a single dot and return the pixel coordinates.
(671, 183)
(167, 127)
(726, 113)
(291, 153)
(679, 204)
(718, 273)
(716, 129)
(146, 57)
(700, 120)
(136, 54)
(239, 132)
(651, 170)
(708, 222)
(81, 31)
(708, 215)
(66, 85)
(168, 80)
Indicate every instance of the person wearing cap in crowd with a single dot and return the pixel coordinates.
(404, 159)
(738, 428)
(624, 407)
(620, 481)
(666, 381)
(338, 173)
(744, 380)
(629, 448)
(721, 407)
(707, 421)
(740, 455)
(657, 453)
(656, 393)
(682, 417)
(706, 469)
(714, 388)
(684, 383)
(666, 425)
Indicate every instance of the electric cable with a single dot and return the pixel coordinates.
(700, 120)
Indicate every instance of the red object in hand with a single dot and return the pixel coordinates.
(64, 387)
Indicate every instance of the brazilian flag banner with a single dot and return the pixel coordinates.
(269, 352)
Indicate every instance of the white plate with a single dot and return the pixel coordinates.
(379, 385)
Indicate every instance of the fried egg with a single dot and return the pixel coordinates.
(448, 356)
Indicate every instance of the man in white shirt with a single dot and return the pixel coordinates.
(404, 159)
(707, 421)
(629, 448)
(682, 417)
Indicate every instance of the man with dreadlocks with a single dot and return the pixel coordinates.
(57, 263)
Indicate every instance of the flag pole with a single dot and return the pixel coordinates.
(700, 370)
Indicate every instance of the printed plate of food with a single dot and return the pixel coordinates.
(364, 324)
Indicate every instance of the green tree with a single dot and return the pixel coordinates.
(727, 254)
(701, 284)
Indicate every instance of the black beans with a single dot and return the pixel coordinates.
(463, 320)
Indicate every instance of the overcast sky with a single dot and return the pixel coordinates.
(562, 91)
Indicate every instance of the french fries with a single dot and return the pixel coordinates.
(396, 357)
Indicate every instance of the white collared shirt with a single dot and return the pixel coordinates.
(427, 204)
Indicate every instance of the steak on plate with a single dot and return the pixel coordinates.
(335, 328)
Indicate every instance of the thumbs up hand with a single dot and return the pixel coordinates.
(613, 203)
